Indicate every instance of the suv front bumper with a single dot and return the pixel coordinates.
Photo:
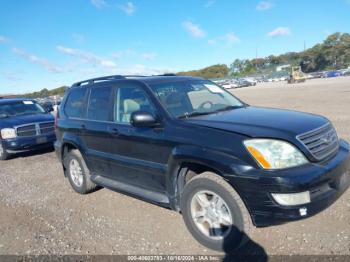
(326, 182)
(19, 144)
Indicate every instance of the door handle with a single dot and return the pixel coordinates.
(113, 131)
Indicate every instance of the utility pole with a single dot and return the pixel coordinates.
(256, 58)
(304, 45)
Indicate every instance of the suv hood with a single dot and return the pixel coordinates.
(26, 119)
(261, 122)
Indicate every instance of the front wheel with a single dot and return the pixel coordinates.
(3, 153)
(214, 213)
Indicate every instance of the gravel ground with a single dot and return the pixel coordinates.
(40, 213)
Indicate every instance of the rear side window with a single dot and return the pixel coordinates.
(100, 103)
(75, 103)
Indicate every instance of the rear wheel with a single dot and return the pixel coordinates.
(77, 172)
(3, 153)
(214, 213)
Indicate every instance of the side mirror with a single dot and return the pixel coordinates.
(143, 119)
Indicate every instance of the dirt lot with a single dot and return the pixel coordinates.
(40, 213)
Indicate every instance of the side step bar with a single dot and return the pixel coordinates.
(134, 190)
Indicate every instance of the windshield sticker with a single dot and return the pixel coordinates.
(28, 102)
(214, 88)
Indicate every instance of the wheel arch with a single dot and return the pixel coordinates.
(70, 142)
(189, 161)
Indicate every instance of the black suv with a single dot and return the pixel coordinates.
(189, 145)
(24, 125)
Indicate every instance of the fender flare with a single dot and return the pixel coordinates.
(221, 163)
(75, 141)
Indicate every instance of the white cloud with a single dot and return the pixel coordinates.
(129, 8)
(124, 53)
(212, 41)
(193, 29)
(211, 2)
(98, 3)
(280, 31)
(264, 5)
(148, 56)
(37, 60)
(66, 50)
(78, 38)
(87, 57)
(139, 69)
(228, 39)
(4, 40)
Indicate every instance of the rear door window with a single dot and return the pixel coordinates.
(100, 103)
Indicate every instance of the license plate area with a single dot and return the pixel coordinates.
(41, 140)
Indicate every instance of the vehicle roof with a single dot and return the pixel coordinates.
(13, 100)
(163, 79)
(144, 79)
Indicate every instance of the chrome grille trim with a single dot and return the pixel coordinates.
(35, 129)
(320, 142)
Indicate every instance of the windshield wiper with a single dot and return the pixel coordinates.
(4, 116)
(227, 108)
(195, 113)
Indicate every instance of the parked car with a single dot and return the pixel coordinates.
(227, 84)
(243, 83)
(189, 145)
(252, 81)
(24, 125)
(332, 74)
(47, 105)
(346, 73)
(316, 75)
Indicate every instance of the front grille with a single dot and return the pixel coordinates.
(35, 129)
(27, 130)
(321, 142)
(47, 127)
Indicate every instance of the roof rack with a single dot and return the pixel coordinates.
(111, 77)
(94, 80)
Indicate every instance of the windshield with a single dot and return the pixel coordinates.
(188, 98)
(20, 108)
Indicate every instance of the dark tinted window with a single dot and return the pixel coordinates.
(75, 103)
(99, 104)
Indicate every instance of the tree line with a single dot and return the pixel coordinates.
(46, 93)
(332, 54)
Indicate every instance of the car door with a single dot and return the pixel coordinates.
(97, 128)
(139, 154)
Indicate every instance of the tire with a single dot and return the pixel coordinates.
(3, 153)
(80, 181)
(234, 235)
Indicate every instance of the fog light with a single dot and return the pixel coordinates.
(303, 211)
(293, 199)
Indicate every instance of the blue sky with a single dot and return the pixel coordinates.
(46, 44)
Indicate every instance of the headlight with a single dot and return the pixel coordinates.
(7, 133)
(274, 154)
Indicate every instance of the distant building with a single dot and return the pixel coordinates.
(280, 68)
